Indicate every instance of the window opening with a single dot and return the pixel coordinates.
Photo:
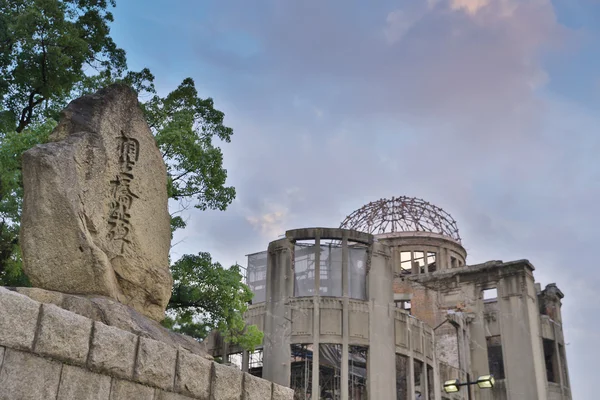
(331, 269)
(357, 272)
(495, 357)
(551, 361)
(401, 377)
(357, 372)
(301, 370)
(490, 294)
(255, 363)
(431, 262)
(453, 262)
(235, 359)
(430, 384)
(419, 381)
(304, 268)
(330, 371)
(257, 276)
(405, 263)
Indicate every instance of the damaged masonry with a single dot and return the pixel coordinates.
(386, 307)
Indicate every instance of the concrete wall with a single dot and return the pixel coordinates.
(48, 353)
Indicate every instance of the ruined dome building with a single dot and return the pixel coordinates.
(386, 307)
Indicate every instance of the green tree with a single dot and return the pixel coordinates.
(52, 51)
(206, 296)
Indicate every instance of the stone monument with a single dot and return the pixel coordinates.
(95, 209)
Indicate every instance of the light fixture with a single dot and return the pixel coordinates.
(486, 381)
(451, 386)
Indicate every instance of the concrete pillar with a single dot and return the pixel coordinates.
(520, 326)
(280, 287)
(381, 367)
(316, 319)
(345, 322)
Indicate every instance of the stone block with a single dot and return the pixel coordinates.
(193, 375)
(226, 383)
(256, 388)
(1, 355)
(80, 384)
(282, 393)
(125, 390)
(113, 351)
(25, 376)
(162, 395)
(155, 364)
(18, 320)
(63, 335)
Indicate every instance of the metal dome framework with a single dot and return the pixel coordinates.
(402, 214)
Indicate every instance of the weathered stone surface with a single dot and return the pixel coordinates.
(113, 351)
(95, 213)
(63, 335)
(282, 393)
(162, 395)
(256, 388)
(80, 384)
(18, 320)
(1, 355)
(193, 375)
(28, 377)
(155, 364)
(226, 383)
(125, 390)
(113, 313)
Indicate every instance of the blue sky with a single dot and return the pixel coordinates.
(486, 108)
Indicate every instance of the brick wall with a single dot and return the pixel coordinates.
(48, 353)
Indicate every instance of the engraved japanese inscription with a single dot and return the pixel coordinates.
(122, 196)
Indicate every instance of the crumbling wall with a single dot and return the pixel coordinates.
(48, 353)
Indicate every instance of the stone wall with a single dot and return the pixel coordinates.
(49, 353)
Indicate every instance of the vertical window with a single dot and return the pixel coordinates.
(304, 269)
(331, 270)
(330, 371)
(550, 357)
(255, 363)
(419, 261)
(431, 262)
(453, 262)
(357, 272)
(405, 263)
(419, 380)
(495, 358)
(257, 276)
(401, 377)
(357, 373)
(430, 383)
(301, 370)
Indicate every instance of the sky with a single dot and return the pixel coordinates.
(486, 108)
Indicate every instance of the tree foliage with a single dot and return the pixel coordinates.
(52, 51)
(206, 296)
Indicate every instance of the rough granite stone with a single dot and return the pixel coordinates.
(63, 335)
(226, 383)
(79, 384)
(113, 351)
(256, 388)
(282, 393)
(1, 356)
(113, 313)
(18, 320)
(193, 375)
(125, 390)
(162, 395)
(155, 364)
(95, 208)
(25, 376)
